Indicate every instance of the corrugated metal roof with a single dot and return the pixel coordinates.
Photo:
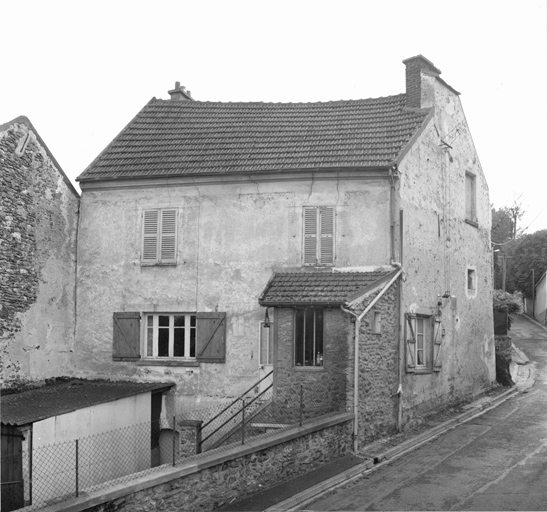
(48, 401)
(169, 138)
(316, 288)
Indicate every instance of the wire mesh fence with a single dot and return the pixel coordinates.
(53, 473)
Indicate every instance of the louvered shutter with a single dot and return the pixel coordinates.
(410, 337)
(168, 236)
(326, 248)
(437, 345)
(150, 236)
(127, 340)
(310, 235)
(211, 337)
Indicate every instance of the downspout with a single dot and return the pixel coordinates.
(358, 320)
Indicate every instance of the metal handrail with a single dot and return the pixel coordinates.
(235, 401)
(233, 415)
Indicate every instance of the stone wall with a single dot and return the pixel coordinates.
(322, 387)
(38, 221)
(239, 477)
(378, 352)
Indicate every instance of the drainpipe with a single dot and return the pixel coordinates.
(358, 320)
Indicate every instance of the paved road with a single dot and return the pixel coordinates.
(497, 461)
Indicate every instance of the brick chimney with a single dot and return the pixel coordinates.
(414, 67)
(180, 93)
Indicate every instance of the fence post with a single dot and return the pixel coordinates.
(30, 448)
(174, 440)
(243, 422)
(301, 403)
(77, 468)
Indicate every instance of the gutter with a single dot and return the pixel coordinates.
(358, 320)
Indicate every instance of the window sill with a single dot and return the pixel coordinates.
(167, 362)
(309, 368)
(423, 371)
(473, 223)
(147, 264)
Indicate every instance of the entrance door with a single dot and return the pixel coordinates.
(265, 355)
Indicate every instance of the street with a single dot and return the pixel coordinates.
(497, 461)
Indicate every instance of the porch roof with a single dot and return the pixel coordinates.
(48, 401)
(317, 288)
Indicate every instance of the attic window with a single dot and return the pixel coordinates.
(22, 146)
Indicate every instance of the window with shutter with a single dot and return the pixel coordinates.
(211, 337)
(318, 235)
(126, 339)
(420, 355)
(159, 236)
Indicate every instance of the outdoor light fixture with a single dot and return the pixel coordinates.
(266, 320)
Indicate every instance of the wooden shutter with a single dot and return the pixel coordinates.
(168, 236)
(310, 235)
(150, 235)
(127, 336)
(326, 248)
(410, 336)
(437, 344)
(211, 337)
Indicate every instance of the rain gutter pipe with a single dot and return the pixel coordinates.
(358, 320)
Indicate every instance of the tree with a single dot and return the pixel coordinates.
(526, 254)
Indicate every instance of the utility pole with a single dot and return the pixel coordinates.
(504, 272)
(533, 294)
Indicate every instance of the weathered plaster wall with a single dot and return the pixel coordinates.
(324, 388)
(540, 307)
(439, 246)
(231, 237)
(38, 222)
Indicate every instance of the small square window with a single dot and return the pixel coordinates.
(377, 323)
(471, 279)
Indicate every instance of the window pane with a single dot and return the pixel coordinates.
(163, 321)
(299, 338)
(178, 345)
(193, 320)
(163, 341)
(193, 339)
(149, 340)
(319, 337)
(309, 334)
(179, 320)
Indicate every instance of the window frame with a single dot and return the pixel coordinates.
(323, 232)
(189, 327)
(318, 358)
(412, 333)
(471, 198)
(162, 238)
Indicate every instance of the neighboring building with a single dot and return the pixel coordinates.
(540, 300)
(52, 443)
(38, 226)
(219, 240)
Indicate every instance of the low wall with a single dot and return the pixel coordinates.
(212, 481)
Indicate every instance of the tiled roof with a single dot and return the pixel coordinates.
(46, 402)
(307, 288)
(191, 137)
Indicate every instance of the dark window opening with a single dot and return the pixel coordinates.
(308, 337)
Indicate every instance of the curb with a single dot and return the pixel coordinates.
(475, 410)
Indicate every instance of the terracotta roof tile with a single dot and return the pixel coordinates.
(317, 287)
(190, 137)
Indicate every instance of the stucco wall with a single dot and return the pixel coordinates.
(124, 450)
(439, 247)
(540, 308)
(38, 220)
(232, 236)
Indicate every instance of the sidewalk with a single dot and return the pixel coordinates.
(296, 492)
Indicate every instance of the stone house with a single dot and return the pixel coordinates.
(38, 228)
(343, 246)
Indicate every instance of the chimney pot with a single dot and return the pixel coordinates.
(179, 93)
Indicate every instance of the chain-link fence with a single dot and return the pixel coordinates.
(53, 473)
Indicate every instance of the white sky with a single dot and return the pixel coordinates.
(80, 71)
